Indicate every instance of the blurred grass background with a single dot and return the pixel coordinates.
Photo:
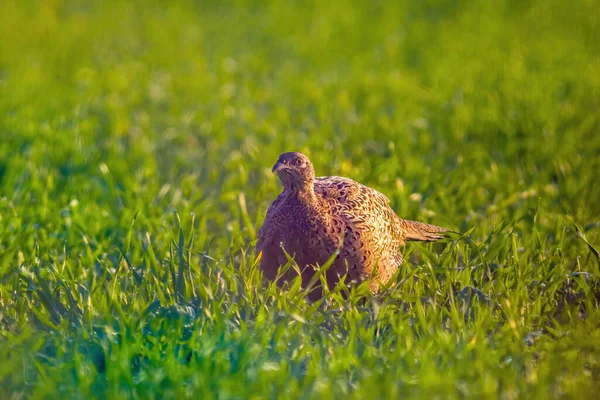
(466, 114)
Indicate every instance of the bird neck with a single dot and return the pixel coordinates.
(304, 192)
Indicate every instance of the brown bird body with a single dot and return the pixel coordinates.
(313, 218)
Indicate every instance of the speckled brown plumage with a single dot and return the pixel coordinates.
(315, 217)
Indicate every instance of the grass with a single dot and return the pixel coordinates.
(137, 141)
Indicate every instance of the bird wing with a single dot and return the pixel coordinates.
(373, 234)
(367, 207)
(348, 193)
(364, 208)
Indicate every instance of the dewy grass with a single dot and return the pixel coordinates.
(136, 142)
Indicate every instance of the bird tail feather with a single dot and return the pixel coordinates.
(419, 231)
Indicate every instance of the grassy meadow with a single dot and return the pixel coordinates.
(136, 141)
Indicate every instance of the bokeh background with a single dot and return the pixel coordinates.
(469, 102)
(121, 122)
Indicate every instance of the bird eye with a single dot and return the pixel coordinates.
(298, 161)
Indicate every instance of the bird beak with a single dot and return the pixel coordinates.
(278, 167)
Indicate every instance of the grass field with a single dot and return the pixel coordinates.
(136, 141)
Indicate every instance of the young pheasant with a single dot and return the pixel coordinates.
(313, 218)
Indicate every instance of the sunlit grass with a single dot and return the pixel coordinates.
(135, 150)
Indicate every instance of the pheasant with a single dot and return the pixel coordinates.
(317, 217)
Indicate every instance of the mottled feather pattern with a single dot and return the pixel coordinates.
(315, 217)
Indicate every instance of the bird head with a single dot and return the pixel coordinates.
(294, 170)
